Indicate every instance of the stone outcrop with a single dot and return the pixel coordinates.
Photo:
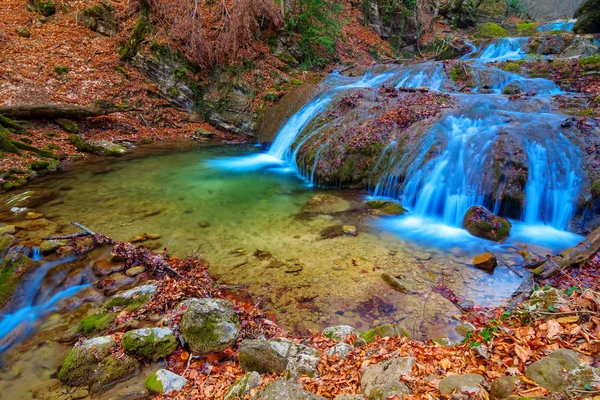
(548, 10)
(588, 17)
(99, 18)
(381, 380)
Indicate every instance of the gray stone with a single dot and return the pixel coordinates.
(349, 397)
(99, 18)
(461, 383)
(270, 355)
(165, 382)
(243, 385)
(209, 325)
(503, 387)
(144, 290)
(549, 371)
(302, 364)
(340, 332)
(285, 390)
(341, 350)
(151, 343)
(548, 10)
(380, 381)
(580, 47)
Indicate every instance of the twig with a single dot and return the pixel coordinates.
(83, 228)
(506, 264)
(69, 236)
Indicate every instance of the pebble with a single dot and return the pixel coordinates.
(34, 215)
(350, 230)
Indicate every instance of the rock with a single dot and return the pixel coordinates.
(242, 386)
(284, 390)
(469, 383)
(588, 17)
(5, 242)
(67, 125)
(135, 271)
(140, 237)
(503, 387)
(13, 267)
(490, 30)
(464, 329)
(483, 223)
(554, 44)
(23, 31)
(349, 397)
(577, 255)
(99, 147)
(33, 215)
(580, 47)
(92, 364)
(43, 7)
(387, 330)
(486, 262)
(383, 207)
(150, 343)
(326, 204)
(97, 323)
(339, 333)
(294, 266)
(341, 350)
(139, 291)
(380, 381)
(332, 231)
(203, 224)
(105, 267)
(99, 18)
(112, 283)
(302, 364)
(30, 199)
(349, 230)
(531, 260)
(549, 372)
(153, 236)
(399, 284)
(209, 325)
(270, 355)
(8, 230)
(513, 88)
(49, 246)
(164, 381)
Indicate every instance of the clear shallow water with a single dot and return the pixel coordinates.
(228, 216)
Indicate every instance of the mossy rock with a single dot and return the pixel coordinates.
(387, 330)
(510, 66)
(67, 125)
(549, 371)
(99, 147)
(43, 7)
(490, 30)
(92, 364)
(99, 18)
(96, 323)
(150, 343)
(527, 28)
(265, 356)
(209, 325)
(387, 207)
(243, 385)
(588, 17)
(13, 267)
(129, 303)
(164, 381)
(483, 223)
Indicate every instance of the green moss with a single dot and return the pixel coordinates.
(590, 60)
(490, 30)
(587, 112)
(61, 70)
(527, 28)
(150, 346)
(130, 304)
(390, 330)
(8, 186)
(67, 125)
(147, 141)
(272, 97)
(96, 323)
(511, 67)
(595, 189)
(114, 370)
(153, 384)
(12, 269)
(32, 149)
(140, 31)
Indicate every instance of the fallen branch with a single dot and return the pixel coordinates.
(53, 111)
(86, 232)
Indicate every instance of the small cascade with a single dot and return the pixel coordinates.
(503, 49)
(35, 254)
(558, 26)
(431, 75)
(31, 305)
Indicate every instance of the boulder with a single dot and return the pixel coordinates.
(164, 381)
(138, 291)
(469, 383)
(326, 204)
(513, 88)
(387, 330)
(549, 372)
(135, 271)
(588, 17)
(349, 230)
(381, 380)
(67, 125)
(486, 262)
(13, 267)
(580, 47)
(489, 30)
(339, 333)
(209, 325)
(265, 356)
(284, 390)
(341, 350)
(150, 343)
(503, 387)
(105, 267)
(99, 18)
(242, 386)
(483, 223)
(99, 147)
(92, 364)
(49, 246)
(302, 364)
(554, 44)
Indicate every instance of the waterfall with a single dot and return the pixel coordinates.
(558, 26)
(500, 50)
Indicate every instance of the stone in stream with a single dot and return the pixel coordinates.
(580, 47)
(380, 381)
(242, 386)
(209, 325)
(469, 383)
(92, 364)
(400, 284)
(5, 242)
(112, 283)
(8, 230)
(326, 204)
(164, 381)
(530, 259)
(383, 207)
(33, 215)
(99, 147)
(14, 265)
(150, 343)
(50, 246)
(265, 356)
(135, 271)
(339, 333)
(349, 230)
(284, 390)
(138, 291)
(105, 267)
(483, 223)
(30, 199)
(486, 262)
(386, 330)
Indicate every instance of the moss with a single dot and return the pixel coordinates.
(114, 370)
(7, 145)
(140, 31)
(12, 269)
(147, 141)
(32, 149)
(153, 384)
(490, 30)
(587, 112)
(61, 70)
(150, 346)
(527, 28)
(67, 125)
(590, 60)
(96, 323)
(130, 304)
(384, 330)
(8, 186)
(511, 67)
(595, 189)
(272, 97)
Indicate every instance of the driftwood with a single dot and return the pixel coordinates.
(422, 89)
(53, 111)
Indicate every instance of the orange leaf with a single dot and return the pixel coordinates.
(185, 355)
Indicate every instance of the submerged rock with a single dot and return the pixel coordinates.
(30, 199)
(112, 283)
(105, 267)
(92, 364)
(383, 207)
(381, 380)
(285, 390)
(164, 381)
(150, 343)
(486, 262)
(350, 230)
(469, 383)
(483, 223)
(209, 325)
(265, 356)
(326, 204)
(387, 330)
(242, 386)
(400, 284)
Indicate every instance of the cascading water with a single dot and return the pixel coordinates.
(500, 50)
(558, 26)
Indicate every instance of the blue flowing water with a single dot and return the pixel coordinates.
(503, 49)
(558, 26)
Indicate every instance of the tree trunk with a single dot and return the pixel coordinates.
(60, 111)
